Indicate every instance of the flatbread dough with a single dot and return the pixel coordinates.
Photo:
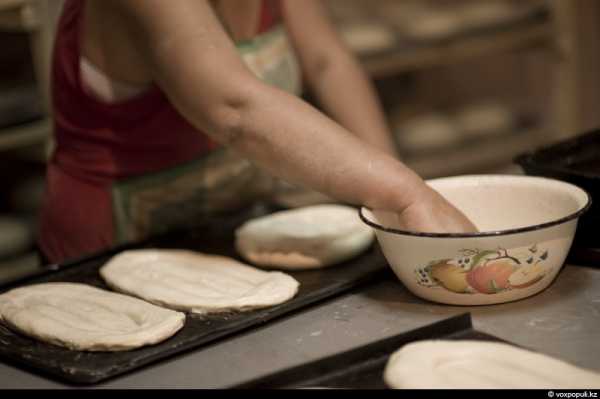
(305, 238)
(82, 317)
(481, 14)
(444, 364)
(196, 282)
(432, 25)
(367, 37)
(485, 119)
(428, 132)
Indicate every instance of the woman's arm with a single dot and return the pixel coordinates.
(334, 75)
(196, 64)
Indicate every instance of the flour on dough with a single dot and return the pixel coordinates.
(196, 282)
(305, 238)
(467, 364)
(82, 317)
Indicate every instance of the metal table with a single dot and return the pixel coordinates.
(563, 321)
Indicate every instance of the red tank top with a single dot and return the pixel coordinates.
(98, 143)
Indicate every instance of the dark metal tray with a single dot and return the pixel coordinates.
(362, 368)
(577, 161)
(214, 237)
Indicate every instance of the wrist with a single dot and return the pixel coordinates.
(404, 189)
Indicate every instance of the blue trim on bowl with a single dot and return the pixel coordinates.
(482, 233)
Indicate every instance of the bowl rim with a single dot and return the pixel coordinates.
(490, 233)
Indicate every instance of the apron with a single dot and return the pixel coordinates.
(218, 182)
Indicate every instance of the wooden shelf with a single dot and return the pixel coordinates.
(475, 156)
(457, 50)
(26, 135)
(10, 4)
(18, 15)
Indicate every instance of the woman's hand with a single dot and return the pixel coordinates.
(432, 213)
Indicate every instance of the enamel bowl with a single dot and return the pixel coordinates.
(526, 227)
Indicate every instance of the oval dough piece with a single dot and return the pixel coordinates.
(485, 119)
(305, 238)
(481, 14)
(196, 282)
(481, 365)
(428, 132)
(82, 317)
(367, 37)
(432, 25)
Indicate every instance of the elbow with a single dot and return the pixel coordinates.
(228, 116)
(226, 120)
(222, 111)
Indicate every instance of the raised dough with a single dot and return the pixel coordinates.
(486, 118)
(367, 37)
(480, 14)
(82, 317)
(444, 364)
(432, 25)
(196, 282)
(305, 238)
(428, 132)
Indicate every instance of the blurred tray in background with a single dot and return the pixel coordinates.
(576, 161)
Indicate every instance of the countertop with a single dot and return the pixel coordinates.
(562, 321)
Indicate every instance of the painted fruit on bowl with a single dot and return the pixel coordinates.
(488, 272)
(526, 276)
(492, 277)
(450, 276)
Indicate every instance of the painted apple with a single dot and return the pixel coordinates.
(492, 277)
(526, 276)
(451, 277)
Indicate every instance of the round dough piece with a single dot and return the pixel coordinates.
(445, 364)
(82, 317)
(481, 14)
(428, 132)
(15, 236)
(368, 37)
(432, 25)
(304, 238)
(485, 119)
(196, 282)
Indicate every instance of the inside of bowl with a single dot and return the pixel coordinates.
(503, 202)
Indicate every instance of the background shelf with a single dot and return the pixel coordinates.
(413, 57)
(475, 157)
(21, 136)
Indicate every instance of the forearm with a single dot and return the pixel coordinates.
(292, 140)
(190, 57)
(345, 93)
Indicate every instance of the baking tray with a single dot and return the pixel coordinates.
(213, 237)
(362, 368)
(577, 161)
